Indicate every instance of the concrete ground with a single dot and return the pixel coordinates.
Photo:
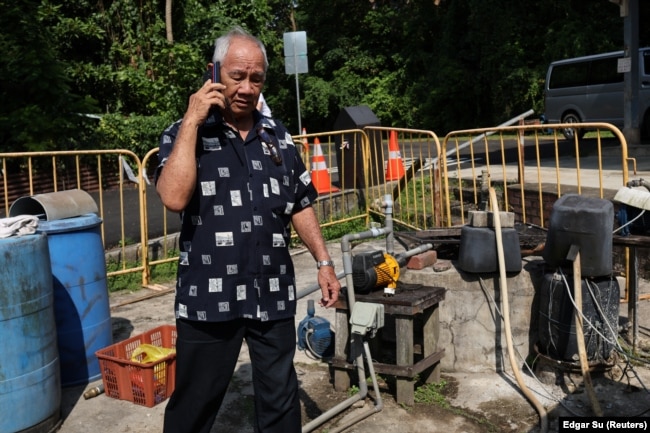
(479, 402)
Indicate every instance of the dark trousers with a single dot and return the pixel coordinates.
(206, 356)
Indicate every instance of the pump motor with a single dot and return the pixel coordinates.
(374, 270)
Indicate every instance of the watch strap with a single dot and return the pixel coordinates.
(324, 263)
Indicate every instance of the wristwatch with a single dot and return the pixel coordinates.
(324, 263)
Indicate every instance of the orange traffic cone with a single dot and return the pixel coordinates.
(395, 168)
(319, 174)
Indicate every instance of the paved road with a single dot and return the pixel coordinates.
(113, 220)
(156, 214)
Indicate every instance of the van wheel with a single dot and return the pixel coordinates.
(571, 133)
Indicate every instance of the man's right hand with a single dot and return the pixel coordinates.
(208, 96)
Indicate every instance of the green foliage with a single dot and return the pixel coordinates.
(38, 109)
(431, 393)
(338, 230)
(135, 132)
(462, 64)
(160, 273)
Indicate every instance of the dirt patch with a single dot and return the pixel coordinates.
(317, 396)
(432, 408)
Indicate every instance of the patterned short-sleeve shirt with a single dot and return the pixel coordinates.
(234, 241)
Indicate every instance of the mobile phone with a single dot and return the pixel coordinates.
(216, 72)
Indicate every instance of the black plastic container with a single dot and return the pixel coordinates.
(587, 222)
(478, 250)
(600, 307)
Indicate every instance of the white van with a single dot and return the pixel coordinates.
(589, 89)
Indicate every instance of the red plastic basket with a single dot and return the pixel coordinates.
(142, 384)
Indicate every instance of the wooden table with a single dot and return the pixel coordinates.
(410, 302)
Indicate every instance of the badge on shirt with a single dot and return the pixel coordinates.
(211, 143)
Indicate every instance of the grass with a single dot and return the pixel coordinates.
(161, 273)
(431, 393)
(337, 231)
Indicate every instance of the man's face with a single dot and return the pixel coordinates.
(242, 72)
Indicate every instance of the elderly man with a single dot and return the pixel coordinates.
(239, 183)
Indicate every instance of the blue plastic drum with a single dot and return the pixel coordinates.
(30, 384)
(81, 304)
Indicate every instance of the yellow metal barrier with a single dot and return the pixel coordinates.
(342, 185)
(431, 185)
(165, 248)
(532, 165)
(405, 163)
(101, 173)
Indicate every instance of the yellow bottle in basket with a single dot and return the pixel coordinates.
(148, 353)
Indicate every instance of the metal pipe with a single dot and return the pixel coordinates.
(346, 249)
(379, 404)
(331, 413)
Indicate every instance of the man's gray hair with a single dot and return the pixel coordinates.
(222, 43)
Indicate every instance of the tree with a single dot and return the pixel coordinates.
(453, 65)
(168, 21)
(40, 109)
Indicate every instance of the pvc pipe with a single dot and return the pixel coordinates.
(314, 286)
(512, 121)
(379, 404)
(506, 315)
(361, 374)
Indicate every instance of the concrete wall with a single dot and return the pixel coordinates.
(471, 330)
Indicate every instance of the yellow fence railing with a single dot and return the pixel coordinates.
(533, 165)
(432, 184)
(107, 175)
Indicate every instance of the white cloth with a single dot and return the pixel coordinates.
(19, 225)
(263, 106)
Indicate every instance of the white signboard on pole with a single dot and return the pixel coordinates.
(295, 53)
(295, 61)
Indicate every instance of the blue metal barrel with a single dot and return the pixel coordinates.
(81, 304)
(30, 384)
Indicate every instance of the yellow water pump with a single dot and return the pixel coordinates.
(374, 270)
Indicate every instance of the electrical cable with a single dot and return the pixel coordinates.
(630, 221)
(526, 363)
(584, 318)
(616, 343)
(308, 344)
(604, 317)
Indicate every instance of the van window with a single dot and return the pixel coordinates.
(598, 71)
(603, 71)
(569, 75)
